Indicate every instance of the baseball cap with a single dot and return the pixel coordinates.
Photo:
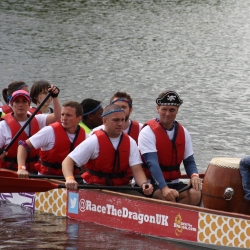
(19, 93)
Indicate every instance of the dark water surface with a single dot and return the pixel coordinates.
(92, 49)
(19, 229)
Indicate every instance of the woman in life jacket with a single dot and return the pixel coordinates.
(12, 123)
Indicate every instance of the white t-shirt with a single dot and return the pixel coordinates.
(125, 130)
(5, 132)
(147, 141)
(45, 138)
(89, 149)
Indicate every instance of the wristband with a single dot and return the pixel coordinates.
(21, 168)
(55, 95)
(70, 177)
(197, 175)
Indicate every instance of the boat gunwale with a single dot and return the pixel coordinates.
(179, 205)
(166, 203)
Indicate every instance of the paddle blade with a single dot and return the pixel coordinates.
(19, 185)
(8, 173)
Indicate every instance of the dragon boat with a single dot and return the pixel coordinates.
(223, 222)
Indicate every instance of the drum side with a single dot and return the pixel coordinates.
(216, 180)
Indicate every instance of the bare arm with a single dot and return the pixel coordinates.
(139, 174)
(55, 116)
(68, 172)
(21, 159)
(141, 179)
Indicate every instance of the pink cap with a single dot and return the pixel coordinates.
(20, 93)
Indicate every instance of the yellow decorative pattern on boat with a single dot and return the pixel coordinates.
(224, 231)
(53, 201)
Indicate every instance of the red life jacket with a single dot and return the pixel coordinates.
(6, 109)
(51, 160)
(110, 167)
(134, 130)
(32, 110)
(170, 153)
(10, 161)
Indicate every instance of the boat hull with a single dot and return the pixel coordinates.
(183, 223)
(53, 202)
(165, 220)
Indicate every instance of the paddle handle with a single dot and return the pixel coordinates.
(185, 188)
(116, 187)
(104, 187)
(26, 123)
(57, 177)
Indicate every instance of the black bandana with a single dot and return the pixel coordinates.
(171, 98)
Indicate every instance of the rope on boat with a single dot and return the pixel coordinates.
(217, 197)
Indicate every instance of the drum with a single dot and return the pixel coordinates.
(222, 186)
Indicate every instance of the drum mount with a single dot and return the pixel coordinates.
(228, 193)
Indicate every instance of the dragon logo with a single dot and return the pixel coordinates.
(179, 228)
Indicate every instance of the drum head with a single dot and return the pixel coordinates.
(225, 162)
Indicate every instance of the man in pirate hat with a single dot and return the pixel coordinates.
(164, 144)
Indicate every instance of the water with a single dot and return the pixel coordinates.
(94, 48)
(21, 230)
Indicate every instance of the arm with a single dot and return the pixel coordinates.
(5, 138)
(190, 165)
(147, 146)
(141, 179)
(192, 172)
(56, 105)
(155, 170)
(68, 172)
(43, 138)
(22, 153)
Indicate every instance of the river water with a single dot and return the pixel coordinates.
(92, 48)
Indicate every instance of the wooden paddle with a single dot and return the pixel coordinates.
(25, 124)
(18, 185)
(10, 173)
